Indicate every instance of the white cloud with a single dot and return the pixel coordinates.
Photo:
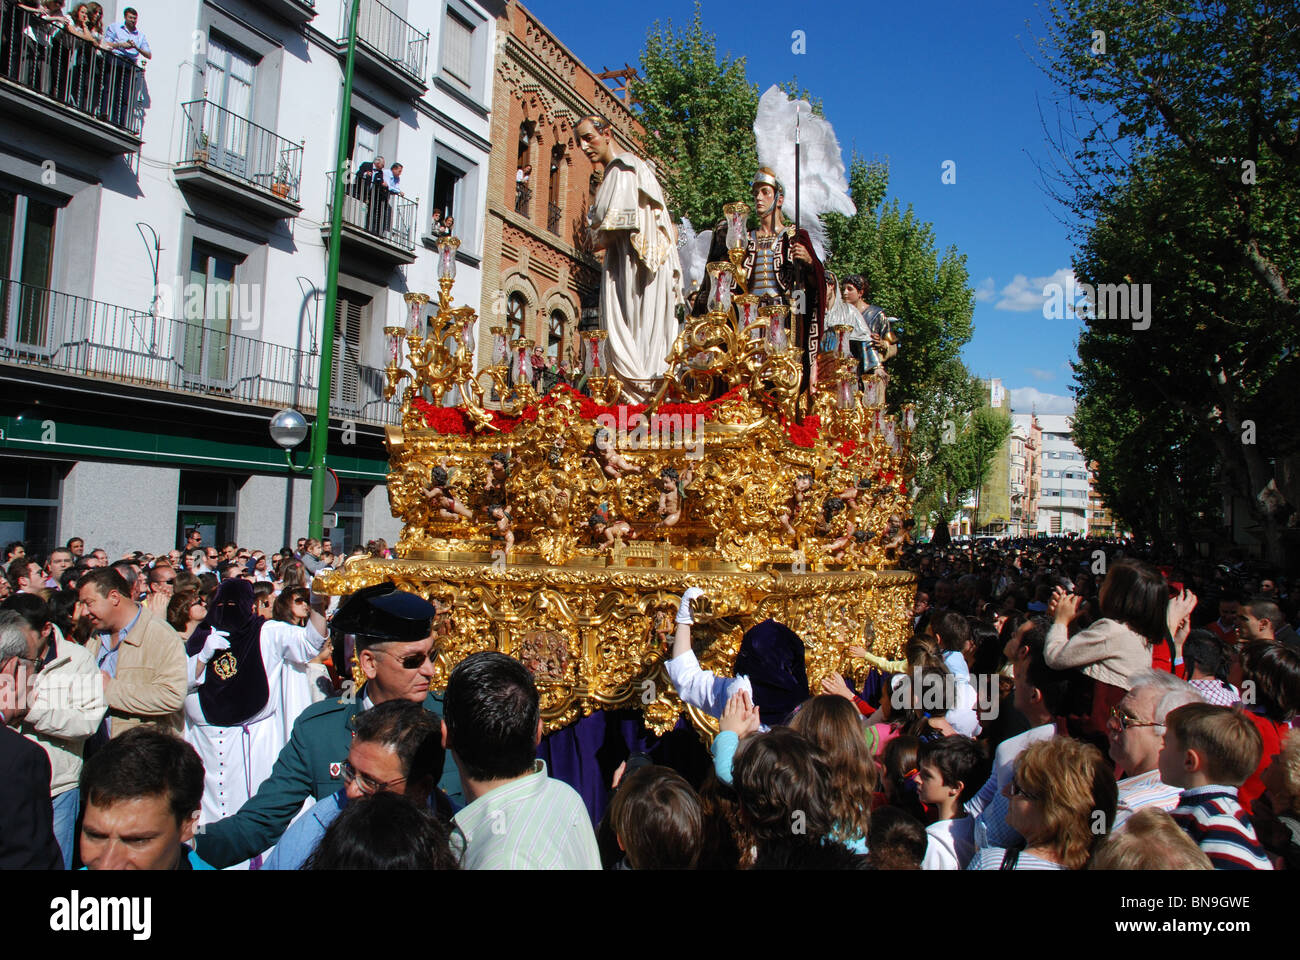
(985, 291)
(1027, 399)
(1038, 374)
(1024, 293)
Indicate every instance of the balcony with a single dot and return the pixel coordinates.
(378, 227)
(295, 11)
(388, 48)
(553, 218)
(88, 339)
(61, 84)
(523, 196)
(237, 162)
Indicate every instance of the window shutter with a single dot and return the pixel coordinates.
(347, 352)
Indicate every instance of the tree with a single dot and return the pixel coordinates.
(932, 297)
(698, 112)
(1180, 158)
(1215, 81)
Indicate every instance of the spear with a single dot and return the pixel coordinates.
(797, 223)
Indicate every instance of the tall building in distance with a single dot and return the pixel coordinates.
(1063, 478)
(163, 234)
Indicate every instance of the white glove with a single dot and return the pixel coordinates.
(684, 611)
(217, 641)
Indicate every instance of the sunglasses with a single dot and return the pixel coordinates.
(412, 661)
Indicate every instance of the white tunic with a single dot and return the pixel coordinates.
(237, 759)
(641, 284)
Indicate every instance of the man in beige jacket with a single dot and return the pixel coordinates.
(140, 657)
(63, 706)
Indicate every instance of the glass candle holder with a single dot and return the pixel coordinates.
(777, 339)
(909, 418)
(415, 313)
(593, 361)
(845, 394)
(842, 331)
(394, 337)
(746, 305)
(500, 346)
(720, 287)
(447, 247)
(737, 215)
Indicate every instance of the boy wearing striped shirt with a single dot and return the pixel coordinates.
(1209, 751)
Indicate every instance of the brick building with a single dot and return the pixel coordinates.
(539, 278)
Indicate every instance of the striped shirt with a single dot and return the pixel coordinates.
(990, 858)
(1212, 817)
(1215, 691)
(533, 823)
(1144, 790)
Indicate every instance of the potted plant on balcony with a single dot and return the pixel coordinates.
(280, 182)
(201, 148)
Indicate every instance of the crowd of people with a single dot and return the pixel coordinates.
(1063, 704)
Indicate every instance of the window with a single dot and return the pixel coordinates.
(458, 50)
(26, 255)
(228, 87)
(446, 183)
(210, 299)
(349, 318)
(349, 507)
(29, 502)
(555, 334)
(206, 501)
(516, 315)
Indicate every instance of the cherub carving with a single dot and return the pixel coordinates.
(612, 463)
(672, 495)
(790, 509)
(440, 496)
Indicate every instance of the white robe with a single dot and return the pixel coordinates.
(641, 285)
(237, 759)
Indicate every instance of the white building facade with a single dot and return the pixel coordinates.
(1063, 478)
(163, 247)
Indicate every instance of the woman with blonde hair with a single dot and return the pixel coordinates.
(834, 725)
(1061, 800)
(1149, 840)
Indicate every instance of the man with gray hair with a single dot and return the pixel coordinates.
(1136, 729)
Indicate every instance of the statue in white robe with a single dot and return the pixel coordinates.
(641, 284)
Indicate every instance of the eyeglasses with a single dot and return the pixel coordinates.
(1018, 791)
(367, 786)
(1127, 721)
(412, 661)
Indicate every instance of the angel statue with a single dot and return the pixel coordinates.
(672, 495)
(641, 284)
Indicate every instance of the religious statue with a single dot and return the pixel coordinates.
(802, 484)
(780, 268)
(612, 463)
(498, 470)
(873, 341)
(440, 496)
(672, 496)
(836, 525)
(641, 283)
(606, 532)
(504, 532)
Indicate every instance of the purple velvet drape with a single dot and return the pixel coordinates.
(585, 754)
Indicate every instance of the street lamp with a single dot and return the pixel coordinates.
(288, 429)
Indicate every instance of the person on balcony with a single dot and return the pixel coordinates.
(393, 185)
(370, 186)
(127, 43)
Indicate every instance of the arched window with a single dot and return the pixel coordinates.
(516, 313)
(523, 169)
(555, 334)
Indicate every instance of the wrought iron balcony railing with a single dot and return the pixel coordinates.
(100, 341)
(389, 35)
(523, 196)
(42, 56)
(224, 141)
(370, 206)
(553, 218)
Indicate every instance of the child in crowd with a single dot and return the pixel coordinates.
(657, 819)
(949, 776)
(898, 841)
(1209, 751)
(1280, 832)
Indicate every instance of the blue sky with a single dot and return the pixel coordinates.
(915, 84)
